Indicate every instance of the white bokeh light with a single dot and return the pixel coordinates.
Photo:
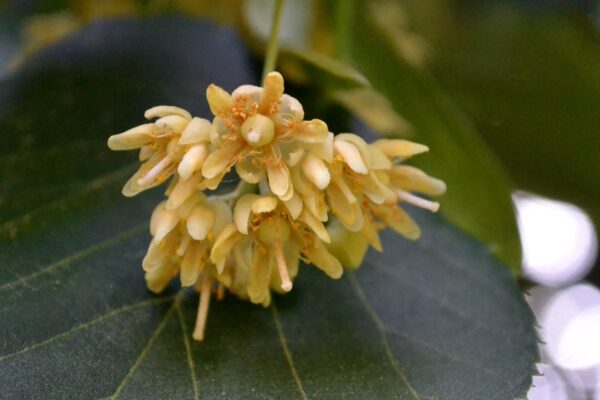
(559, 240)
(549, 385)
(569, 320)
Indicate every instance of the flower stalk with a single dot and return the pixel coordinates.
(273, 44)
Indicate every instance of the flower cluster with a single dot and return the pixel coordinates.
(301, 189)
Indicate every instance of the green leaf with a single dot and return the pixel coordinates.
(322, 70)
(532, 84)
(478, 198)
(435, 318)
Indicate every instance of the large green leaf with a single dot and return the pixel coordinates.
(532, 84)
(439, 318)
(478, 198)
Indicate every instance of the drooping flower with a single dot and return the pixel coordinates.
(260, 250)
(262, 132)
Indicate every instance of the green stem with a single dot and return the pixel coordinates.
(343, 25)
(273, 46)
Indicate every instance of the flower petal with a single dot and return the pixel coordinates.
(397, 219)
(376, 191)
(197, 131)
(219, 100)
(351, 156)
(313, 131)
(371, 231)
(250, 170)
(273, 86)
(260, 275)
(146, 152)
(219, 161)
(400, 148)
(163, 111)
(183, 190)
(279, 178)
(133, 138)
(315, 225)
(172, 123)
(222, 212)
(165, 222)
(264, 204)
(133, 187)
(379, 161)
(323, 150)
(188, 205)
(192, 161)
(157, 279)
(242, 212)
(290, 109)
(316, 171)
(322, 259)
(155, 256)
(340, 206)
(294, 205)
(412, 179)
(192, 264)
(247, 94)
(200, 222)
(228, 238)
(159, 209)
(348, 247)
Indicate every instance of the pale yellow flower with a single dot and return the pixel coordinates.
(368, 182)
(260, 250)
(175, 142)
(301, 171)
(261, 132)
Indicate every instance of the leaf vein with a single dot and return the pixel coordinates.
(188, 352)
(85, 325)
(381, 328)
(286, 351)
(11, 226)
(78, 255)
(446, 306)
(449, 356)
(434, 251)
(147, 348)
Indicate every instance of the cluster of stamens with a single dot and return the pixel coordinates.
(301, 191)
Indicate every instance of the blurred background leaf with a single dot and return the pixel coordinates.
(458, 155)
(531, 81)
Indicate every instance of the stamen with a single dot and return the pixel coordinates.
(154, 171)
(203, 309)
(418, 201)
(286, 284)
